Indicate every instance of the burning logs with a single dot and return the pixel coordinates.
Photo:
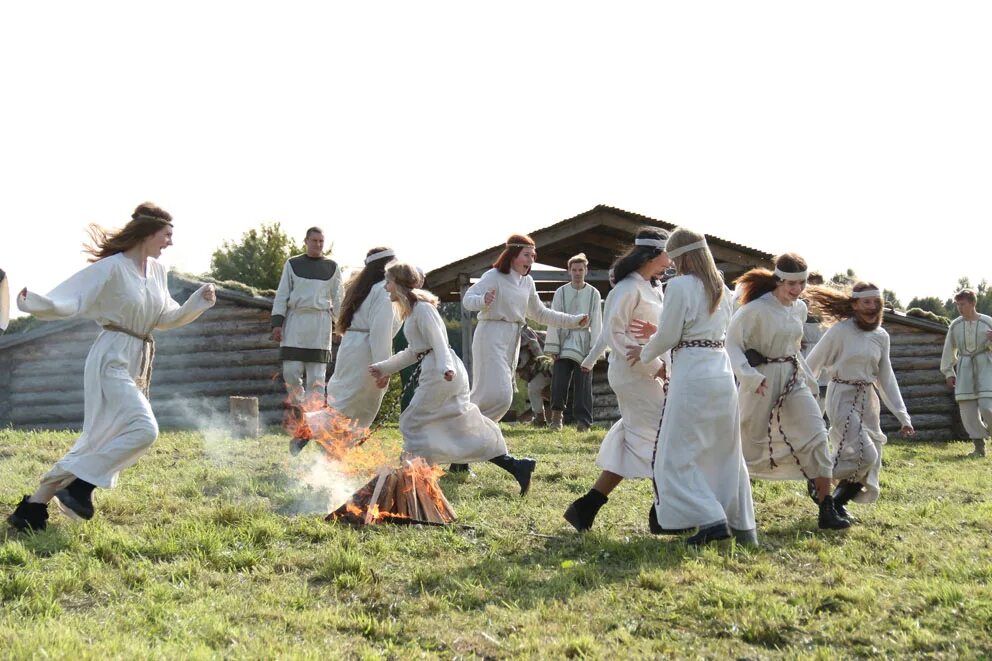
(409, 494)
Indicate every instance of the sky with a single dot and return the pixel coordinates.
(858, 134)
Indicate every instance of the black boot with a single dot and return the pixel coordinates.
(713, 533)
(296, 445)
(521, 469)
(458, 468)
(829, 519)
(29, 516)
(655, 527)
(76, 500)
(582, 512)
(746, 537)
(843, 494)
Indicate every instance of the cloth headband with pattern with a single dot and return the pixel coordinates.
(785, 275)
(867, 293)
(520, 245)
(678, 252)
(653, 243)
(382, 254)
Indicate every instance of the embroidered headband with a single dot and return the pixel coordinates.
(382, 254)
(678, 252)
(785, 275)
(653, 243)
(520, 245)
(867, 293)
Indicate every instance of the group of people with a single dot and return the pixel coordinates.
(712, 385)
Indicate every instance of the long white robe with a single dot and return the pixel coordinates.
(699, 471)
(628, 447)
(776, 331)
(849, 353)
(496, 343)
(369, 339)
(967, 356)
(441, 424)
(118, 424)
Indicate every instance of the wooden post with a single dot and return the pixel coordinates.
(467, 330)
(244, 416)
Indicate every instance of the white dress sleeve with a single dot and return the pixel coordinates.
(596, 324)
(552, 344)
(432, 327)
(176, 315)
(949, 356)
(740, 324)
(474, 299)
(670, 325)
(539, 312)
(76, 297)
(825, 351)
(888, 388)
(399, 360)
(598, 349)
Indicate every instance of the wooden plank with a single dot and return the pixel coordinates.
(916, 349)
(923, 421)
(931, 362)
(919, 377)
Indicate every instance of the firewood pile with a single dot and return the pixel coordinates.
(409, 494)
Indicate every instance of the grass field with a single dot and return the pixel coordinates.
(214, 548)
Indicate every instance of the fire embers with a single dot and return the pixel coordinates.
(409, 494)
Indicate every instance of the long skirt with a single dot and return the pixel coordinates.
(628, 447)
(352, 390)
(856, 436)
(495, 348)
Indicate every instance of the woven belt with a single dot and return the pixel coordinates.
(699, 344)
(776, 412)
(860, 399)
(144, 380)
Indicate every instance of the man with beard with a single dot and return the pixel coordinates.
(967, 364)
(854, 353)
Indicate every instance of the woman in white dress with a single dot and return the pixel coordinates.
(368, 324)
(126, 292)
(854, 355)
(441, 424)
(700, 477)
(782, 429)
(628, 448)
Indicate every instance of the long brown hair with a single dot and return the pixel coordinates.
(637, 256)
(698, 263)
(407, 280)
(146, 220)
(757, 282)
(832, 304)
(358, 287)
(504, 262)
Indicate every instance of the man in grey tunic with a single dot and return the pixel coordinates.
(967, 365)
(309, 293)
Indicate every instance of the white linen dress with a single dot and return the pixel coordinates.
(118, 423)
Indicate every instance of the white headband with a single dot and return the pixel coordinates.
(677, 252)
(653, 243)
(867, 293)
(382, 254)
(520, 245)
(785, 275)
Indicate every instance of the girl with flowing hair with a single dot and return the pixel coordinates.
(126, 292)
(628, 447)
(854, 353)
(782, 429)
(700, 478)
(441, 424)
(367, 324)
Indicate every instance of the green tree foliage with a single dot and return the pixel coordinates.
(257, 259)
(930, 304)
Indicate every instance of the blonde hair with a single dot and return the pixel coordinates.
(698, 263)
(581, 257)
(407, 280)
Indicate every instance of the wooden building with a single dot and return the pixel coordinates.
(227, 351)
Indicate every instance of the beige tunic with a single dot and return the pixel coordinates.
(967, 356)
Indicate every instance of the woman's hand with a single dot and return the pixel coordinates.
(584, 321)
(634, 354)
(24, 294)
(662, 373)
(585, 370)
(277, 334)
(449, 375)
(951, 382)
(378, 375)
(762, 389)
(489, 297)
(907, 430)
(382, 383)
(209, 294)
(642, 330)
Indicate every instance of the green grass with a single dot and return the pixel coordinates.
(214, 549)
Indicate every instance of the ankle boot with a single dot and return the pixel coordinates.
(29, 516)
(556, 420)
(458, 468)
(655, 526)
(540, 419)
(76, 500)
(829, 519)
(979, 448)
(521, 469)
(709, 534)
(746, 537)
(582, 512)
(843, 494)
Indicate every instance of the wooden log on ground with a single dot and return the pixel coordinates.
(244, 416)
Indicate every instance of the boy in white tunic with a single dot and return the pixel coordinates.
(440, 424)
(782, 428)
(967, 364)
(700, 477)
(126, 291)
(302, 322)
(569, 347)
(854, 355)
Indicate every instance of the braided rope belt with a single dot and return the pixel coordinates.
(144, 380)
(776, 413)
(860, 400)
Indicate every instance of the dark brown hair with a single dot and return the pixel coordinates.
(967, 295)
(313, 230)
(146, 220)
(832, 304)
(504, 262)
(359, 286)
(637, 256)
(757, 282)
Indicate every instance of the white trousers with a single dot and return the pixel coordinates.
(316, 379)
(976, 414)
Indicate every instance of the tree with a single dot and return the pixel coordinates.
(930, 304)
(257, 259)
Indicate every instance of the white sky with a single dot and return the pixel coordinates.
(858, 134)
